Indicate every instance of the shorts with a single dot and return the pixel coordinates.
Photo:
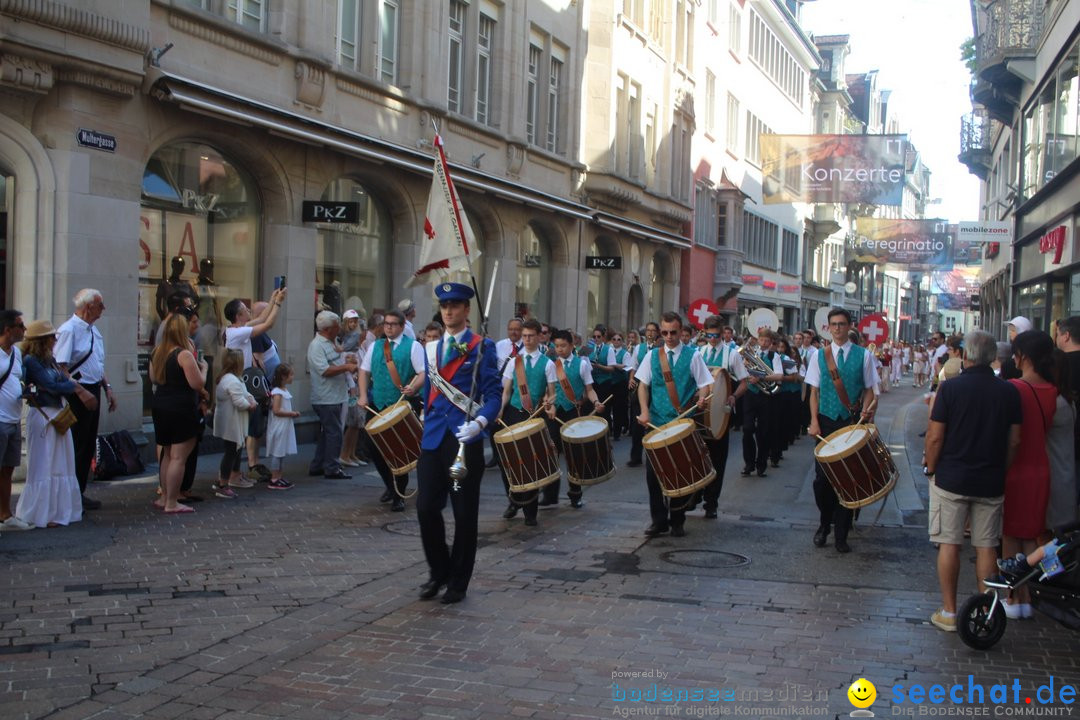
(256, 422)
(10, 445)
(949, 512)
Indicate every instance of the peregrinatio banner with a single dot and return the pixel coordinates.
(833, 168)
(902, 244)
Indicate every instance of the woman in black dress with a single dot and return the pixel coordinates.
(178, 377)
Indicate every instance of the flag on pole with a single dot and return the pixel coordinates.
(448, 237)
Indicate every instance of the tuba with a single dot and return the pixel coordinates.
(758, 368)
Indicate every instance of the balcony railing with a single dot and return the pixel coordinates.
(1013, 29)
(975, 142)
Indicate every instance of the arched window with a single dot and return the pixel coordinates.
(658, 278)
(352, 261)
(533, 294)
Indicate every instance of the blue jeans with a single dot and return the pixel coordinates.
(328, 444)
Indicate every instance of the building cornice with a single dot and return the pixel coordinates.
(80, 22)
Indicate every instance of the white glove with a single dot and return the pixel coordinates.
(468, 431)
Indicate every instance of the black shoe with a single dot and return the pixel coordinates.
(90, 503)
(775, 463)
(576, 503)
(677, 531)
(761, 473)
(746, 471)
(821, 536)
(530, 521)
(398, 505)
(510, 511)
(710, 515)
(654, 530)
(842, 546)
(387, 496)
(493, 462)
(634, 463)
(314, 473)
(338, 475)
(544, 502)
(452, 596)
(430, 589)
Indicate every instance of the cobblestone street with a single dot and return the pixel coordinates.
(303, 605)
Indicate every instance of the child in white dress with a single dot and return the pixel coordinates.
(280, 433)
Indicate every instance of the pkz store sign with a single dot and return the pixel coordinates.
(599, 262)
(96, 140)
(324, 211)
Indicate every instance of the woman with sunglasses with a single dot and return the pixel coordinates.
(620, 413)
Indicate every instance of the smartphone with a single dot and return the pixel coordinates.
(199, 355)
(279, 282)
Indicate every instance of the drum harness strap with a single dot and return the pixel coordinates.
(841, 391)
(390, 367)
(564, 381)
(669, 381)
(523, 385)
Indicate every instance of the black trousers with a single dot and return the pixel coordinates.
(658, 504)
(832, 512)
(450, 564)
(718, 453)
(620, 409)
(510, 416)
(388, 477)
(637, 430)
(758, 416)
(573, 491)
(84, 433)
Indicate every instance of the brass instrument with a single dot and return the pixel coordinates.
(758, 368)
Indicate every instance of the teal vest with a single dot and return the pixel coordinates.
(599, 357)
(660, 410)
(717, 360)
(620, 359)
(850, 370)
(642, 349)
(573, 374)
(383, 391)
(768, 361)
(535, 378)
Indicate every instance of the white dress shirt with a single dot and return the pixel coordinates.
(869, 372)
(416, 355)
(698, 369)
(549, 369)
(73, 340)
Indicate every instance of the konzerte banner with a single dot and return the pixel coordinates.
(833, 168)
(902, 244)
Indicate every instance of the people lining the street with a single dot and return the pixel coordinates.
(280, 431)
(12, 329)
(232, 403)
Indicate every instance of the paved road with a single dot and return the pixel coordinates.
(302, 605)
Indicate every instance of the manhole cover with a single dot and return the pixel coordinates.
(411, 527)
(705, 558)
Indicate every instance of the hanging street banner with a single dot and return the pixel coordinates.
(901, 244)
(833, 168)
(955, 288)
(985, 231)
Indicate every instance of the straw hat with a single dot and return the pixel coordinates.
(39, 329)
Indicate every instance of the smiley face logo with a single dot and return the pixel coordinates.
(862, 693)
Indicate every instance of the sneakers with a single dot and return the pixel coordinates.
(223, 491)
(279, 484)
(1014, 566)
(242, 482)
(943, 621)
(1026, 611)
(14, 523)
(1012, 610)
(258, 472)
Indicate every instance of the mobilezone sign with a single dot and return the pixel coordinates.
(833, 168)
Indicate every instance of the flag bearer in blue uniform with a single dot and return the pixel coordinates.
(453, 358)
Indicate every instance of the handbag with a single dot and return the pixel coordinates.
(62, 421)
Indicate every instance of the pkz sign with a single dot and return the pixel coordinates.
(325, 211)
(96, 140)
(599, 262)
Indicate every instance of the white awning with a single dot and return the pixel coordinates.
(642, 231)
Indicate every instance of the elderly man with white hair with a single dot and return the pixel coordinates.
(408, 308)
(329, 371)
(80, 349)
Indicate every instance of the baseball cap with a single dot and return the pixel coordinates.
(1021, 323)
(350, 314)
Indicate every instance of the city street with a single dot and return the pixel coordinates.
(303, 604)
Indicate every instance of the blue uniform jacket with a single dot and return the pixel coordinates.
(443, 416)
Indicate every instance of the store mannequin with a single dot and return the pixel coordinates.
(174, 285)
(207, 336)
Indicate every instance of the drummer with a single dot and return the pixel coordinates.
(721, 355)
(633, 360)
(398, 372)
(528, 384)
(573, 388)
(688, 373)
(858, 382)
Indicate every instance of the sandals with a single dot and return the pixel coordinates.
(179, 510)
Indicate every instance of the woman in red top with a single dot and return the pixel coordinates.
(1027, 483)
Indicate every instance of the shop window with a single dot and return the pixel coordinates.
(352, 261)
(599, 289)
(198, 235)
(533, 294)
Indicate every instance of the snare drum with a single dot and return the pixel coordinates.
(396, 432)
(678, 457)
(857, 464)
(588, 450)
(528, 455)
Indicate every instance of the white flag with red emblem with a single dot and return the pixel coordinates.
(448, 238)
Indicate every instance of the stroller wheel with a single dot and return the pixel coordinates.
(976, 626)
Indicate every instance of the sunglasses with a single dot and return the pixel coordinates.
(616, 339)
(712, 335)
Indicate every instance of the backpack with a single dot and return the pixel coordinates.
(255, 382)
(116, 455)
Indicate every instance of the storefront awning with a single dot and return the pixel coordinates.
(645, 232)
(216, 102)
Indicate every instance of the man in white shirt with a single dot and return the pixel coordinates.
(328, 369)
(690, 379)
(831, 409)
(718, 355)
(537, 372)
(759, 413)
(11, 332)
(80, 349)
(938, 348)
(506, 349)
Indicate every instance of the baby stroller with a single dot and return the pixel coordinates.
(1054, 585)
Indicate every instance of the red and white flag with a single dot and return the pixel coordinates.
(448, 238)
